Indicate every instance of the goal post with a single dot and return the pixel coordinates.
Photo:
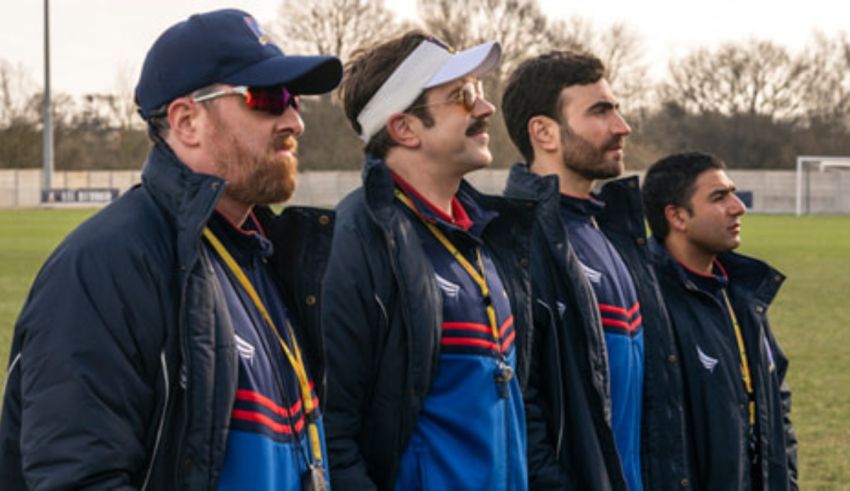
(805, 165)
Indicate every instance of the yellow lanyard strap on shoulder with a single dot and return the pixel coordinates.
(479, 278)
(745, 366)
(293, 355)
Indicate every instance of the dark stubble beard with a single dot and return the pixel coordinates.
(586, 159)
(255, 177)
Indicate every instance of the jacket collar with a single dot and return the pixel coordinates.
(177, 188)
(621, 197)
(752, 274)
(584, 207)
(624, 209)
(246, 243)
(522, 183)
(428, 210)
(186, 197)
(379, 186)
(744, 273)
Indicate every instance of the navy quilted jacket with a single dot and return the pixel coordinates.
(123, 367)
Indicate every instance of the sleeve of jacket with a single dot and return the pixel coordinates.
(544, 471)
(350, 314)
(89, 353)
(781, 362)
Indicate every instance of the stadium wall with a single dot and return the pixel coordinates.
(772, 191)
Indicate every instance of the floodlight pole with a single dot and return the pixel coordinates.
(47, 108)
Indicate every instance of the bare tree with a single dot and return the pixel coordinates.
(755, 78)
(16, 90)
(113, 110)
(575, 33)
(525, 30)
(99, 112)
(19, 134)
(621, 49)
(826, 97)
(519, 25)
(618, 46)
(123, 106)
(332, 27)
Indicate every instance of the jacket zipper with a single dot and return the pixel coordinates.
(161, 424)
(183, 372)
(559, 443)
(392, 251)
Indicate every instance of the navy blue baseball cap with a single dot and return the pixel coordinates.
(228, 47)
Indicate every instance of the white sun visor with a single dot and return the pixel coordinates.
(427, 66)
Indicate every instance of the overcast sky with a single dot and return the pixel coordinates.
(98, 45)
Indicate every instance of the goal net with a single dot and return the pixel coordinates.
(823, 185)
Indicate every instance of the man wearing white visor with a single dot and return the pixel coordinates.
(425, 298)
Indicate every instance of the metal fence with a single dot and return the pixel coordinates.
(771, 191)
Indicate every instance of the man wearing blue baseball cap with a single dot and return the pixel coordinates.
(424, 301)
(171, 341)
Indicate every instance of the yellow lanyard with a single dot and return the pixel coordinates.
(745, 366)
(295, 359)
(479, 279)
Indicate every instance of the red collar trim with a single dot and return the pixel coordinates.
(716, 264)
(459, 216)
(246, 232)
(256, 222)
(721, 268)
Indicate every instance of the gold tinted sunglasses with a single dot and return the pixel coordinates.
(467, 96)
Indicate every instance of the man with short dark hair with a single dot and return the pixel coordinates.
(600, 326)
(425, 299)
(737, 403)
(172, 340)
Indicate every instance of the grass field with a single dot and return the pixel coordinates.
(811, 317)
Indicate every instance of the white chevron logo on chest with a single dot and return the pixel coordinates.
(245, 349)
(592, 275)
(450, 289)
(708, 362)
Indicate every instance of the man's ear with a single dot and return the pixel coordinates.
(676, 217)
(183, 121)
(401, 129)
(544, 133)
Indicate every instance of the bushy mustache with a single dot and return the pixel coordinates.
(285, 142)
(477, 126)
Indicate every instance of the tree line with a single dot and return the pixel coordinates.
(752, 102)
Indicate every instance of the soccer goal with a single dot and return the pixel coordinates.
(823, 184)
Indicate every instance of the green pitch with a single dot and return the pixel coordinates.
(26, 239)
(811, 316)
